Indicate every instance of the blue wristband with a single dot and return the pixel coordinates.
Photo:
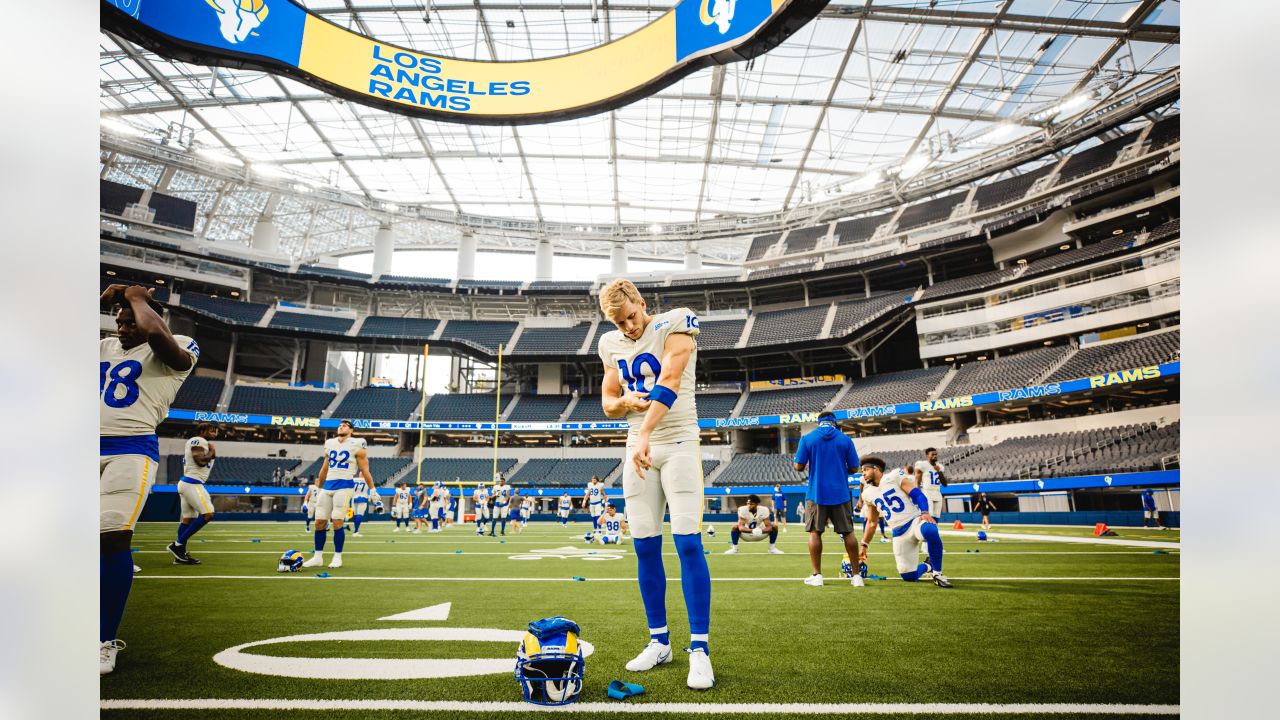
(663, 395)
(917, 497)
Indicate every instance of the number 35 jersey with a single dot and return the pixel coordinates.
(639, 364)
(895, 507)
(135, 387)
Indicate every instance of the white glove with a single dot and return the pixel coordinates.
(757, 531)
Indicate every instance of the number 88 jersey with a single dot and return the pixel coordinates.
(639, 364)
(136, 388)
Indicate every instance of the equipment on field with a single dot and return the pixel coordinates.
(846, 567)
(619, 690)
(957, 525)
(291, 561)
(549, 663)
(711, 531)
(982, 536)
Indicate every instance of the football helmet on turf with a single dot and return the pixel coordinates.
(549, 662)
(291, 561)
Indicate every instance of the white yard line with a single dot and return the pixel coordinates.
(1068, 539)
(795, 579)
(646, 708)
(618, 550)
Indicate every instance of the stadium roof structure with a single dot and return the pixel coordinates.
(870, 104)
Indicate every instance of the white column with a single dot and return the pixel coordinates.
(618, 259)
(549, 378)
(467, 257)
(265, 236)
(384, 242)
(543, 257)
(692, 260)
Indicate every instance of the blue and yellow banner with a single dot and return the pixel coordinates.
(280, 36)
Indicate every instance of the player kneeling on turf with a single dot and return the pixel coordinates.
(755, 523)
(612, 526)
(903, 505)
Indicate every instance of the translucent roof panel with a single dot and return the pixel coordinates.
(861, 89)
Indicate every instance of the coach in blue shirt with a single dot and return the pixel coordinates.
(830, 457)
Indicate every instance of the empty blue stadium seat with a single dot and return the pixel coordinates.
(378, 404)
(312, 323)
(484, 334)
(199, 393)
(398, 327)
(232, 311)
(279, 401)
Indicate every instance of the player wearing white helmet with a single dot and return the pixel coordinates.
(344, 459)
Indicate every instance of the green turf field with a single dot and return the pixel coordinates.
(1028, 622)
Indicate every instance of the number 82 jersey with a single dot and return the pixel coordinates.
(136, 388)
(639, 364)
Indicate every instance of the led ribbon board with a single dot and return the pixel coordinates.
(279, 36)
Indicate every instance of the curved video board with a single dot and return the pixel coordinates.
(280, 36)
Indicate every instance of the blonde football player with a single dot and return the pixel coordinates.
(345, 456)
(894, 496)
(139, 373)
(194, 501)
(648, 360)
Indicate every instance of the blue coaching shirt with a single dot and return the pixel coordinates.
(830, 455)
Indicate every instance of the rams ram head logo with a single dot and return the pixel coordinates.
(721, 13)
(237, 19)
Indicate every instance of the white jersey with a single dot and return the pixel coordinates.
(501, 495)
(189, 467)
(481, 496)
(595, 493)
(930, 478)
(136, 387)
(529, 505)
(404, 498)
(564, 503)
(343, 467)
(894, 505)
(639, 363)
(611, 524)
(753, 520)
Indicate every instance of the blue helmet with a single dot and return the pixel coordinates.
(291, 561)
(846, 567)
(549, 663)
(982, 535)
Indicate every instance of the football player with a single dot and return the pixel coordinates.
(593, 496)
(755, 523)
(930, 476)
(648, 361)
(345, 458)
(481, 497)
(895, 497)
(139, 372)
(362, 496)
(446, 506)
(309, 502)
(779, 508)
(564, 506)
(401, 505)
(501, 504)
(612, 526)
(529, 506)
(196, 507)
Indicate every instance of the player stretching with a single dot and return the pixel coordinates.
(345, 457)
(501, 505)
(529, 505)
(593, 496)
(481, 497)
(194, 502)
(655, 356)
(563, 507)
(400, 506)
(612, 526)
(139, 373)
(895, 497)
(446, 507)
(755, 523)
(930, 476)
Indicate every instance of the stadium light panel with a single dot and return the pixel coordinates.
(913, 165)
(868, 181)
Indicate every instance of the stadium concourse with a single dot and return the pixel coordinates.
(955, 229)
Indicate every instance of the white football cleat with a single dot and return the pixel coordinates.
(395, 529)
(773, 550)
(107, 655)
(784, 529)
(884, 539)
(858, 581)
(136, 569)
(316, 560)
(356, 535)
(732, 551)
(814, 580)
(336, 562)
(653, 655)
(701, 676)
